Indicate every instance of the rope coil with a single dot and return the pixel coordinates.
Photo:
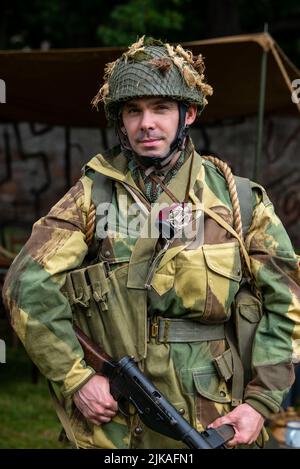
(237, 220)
(90, 224)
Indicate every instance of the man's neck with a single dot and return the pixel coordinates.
(163, 170)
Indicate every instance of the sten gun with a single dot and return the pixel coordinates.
(128, 384)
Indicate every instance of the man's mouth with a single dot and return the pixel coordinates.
(149, 141)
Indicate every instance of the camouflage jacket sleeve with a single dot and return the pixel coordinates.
(276, 270)
(40, 314)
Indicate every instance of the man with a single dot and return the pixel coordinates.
(169, 300)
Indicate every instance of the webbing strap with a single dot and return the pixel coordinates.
(244, 192)
(62, 415)
(101, 194)
(183, 330)
(237, 389)
(102, 187)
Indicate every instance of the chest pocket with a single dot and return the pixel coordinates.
(224, 273)
(205, 280)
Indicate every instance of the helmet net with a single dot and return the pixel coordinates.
(151, 68)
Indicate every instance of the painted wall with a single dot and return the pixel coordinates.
(33, 172)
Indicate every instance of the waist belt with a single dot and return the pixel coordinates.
(182, 330)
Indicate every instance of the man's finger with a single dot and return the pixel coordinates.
(231, 443)
(219, 421)
(113, 405)
(108, 413)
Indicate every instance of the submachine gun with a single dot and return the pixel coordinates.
(129, 385)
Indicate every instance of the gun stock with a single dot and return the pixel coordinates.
(94, 355)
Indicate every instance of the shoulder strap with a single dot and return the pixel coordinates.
(244, 192)
(102, 187)
(101, 194)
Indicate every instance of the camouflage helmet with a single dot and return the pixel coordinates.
(152, 68)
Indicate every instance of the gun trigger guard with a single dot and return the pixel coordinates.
(124, 408)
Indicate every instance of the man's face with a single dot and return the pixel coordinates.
(151, 125)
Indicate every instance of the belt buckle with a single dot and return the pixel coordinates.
(154, 327)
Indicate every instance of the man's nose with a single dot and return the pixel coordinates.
(147, 121)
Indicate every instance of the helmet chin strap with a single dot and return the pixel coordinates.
(177, 144)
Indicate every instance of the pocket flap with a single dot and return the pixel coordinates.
(209, 385)
(98, 280)
(81, 287)
(224, 259)
(163, 278)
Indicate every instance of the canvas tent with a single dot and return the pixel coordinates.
(56, 86)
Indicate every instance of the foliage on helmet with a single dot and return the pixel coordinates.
(152, 68)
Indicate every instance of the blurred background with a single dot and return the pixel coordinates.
(52, 55)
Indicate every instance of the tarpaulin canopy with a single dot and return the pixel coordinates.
(56, 86)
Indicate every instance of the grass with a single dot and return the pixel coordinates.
(27, 416)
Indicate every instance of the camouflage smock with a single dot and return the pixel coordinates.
(197, 283)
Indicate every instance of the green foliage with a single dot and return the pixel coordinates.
(138, 17)
(73, 23)
(63, 23)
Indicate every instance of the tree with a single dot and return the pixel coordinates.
(73, 23)
(138, 17)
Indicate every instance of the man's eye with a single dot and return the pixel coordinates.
(132, 111)
(162, 107)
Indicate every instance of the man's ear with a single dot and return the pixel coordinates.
(191, 114)
(120, 121)
(123, 130)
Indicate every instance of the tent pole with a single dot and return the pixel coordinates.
(67, 157)
(261, 111)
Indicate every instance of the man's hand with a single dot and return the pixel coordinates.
(95, 401)
(246, 421)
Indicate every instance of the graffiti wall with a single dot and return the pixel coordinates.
(38, 164)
